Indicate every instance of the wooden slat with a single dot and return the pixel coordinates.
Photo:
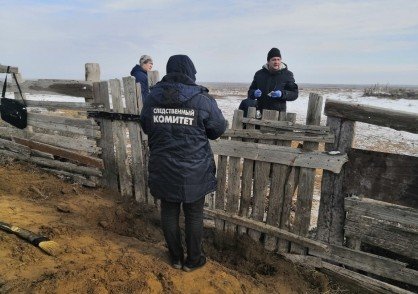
(271, 135)
(367, 284)
(74, 177)
(279, 154)
(264, 228)
(74, 156)
(14, 147)
(360, 283)
(382, 176)
(119, 132)
(138, 166)
(234, 177)
(247, 175)
(72, 88)
(379, 209)
(331, 205)
(110, 177)
(283, 125)
(381, 266)
(279, 175)
(64, 120)
(261, 180)
(398, 120)
(89, 132)
(52, 105)
(80, 144)
(307, 176)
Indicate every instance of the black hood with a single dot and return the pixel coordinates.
(181, 64)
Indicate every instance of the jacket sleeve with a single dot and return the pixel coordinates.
(252, 88)
(216, 124)
(145, 118)
(291, 90)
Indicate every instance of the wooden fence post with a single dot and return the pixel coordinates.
(307, 177)
(92, 74)
(138, 167)
(110, 176)
(119, 128)
(331, 206)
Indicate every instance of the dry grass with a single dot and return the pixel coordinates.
(390, 92)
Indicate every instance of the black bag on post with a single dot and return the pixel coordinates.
(13, 111)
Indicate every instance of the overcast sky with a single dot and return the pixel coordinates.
(349, 42)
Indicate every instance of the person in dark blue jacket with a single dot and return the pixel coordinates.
(179, 117)
(273, 85)
(247, 103)
(140, 72)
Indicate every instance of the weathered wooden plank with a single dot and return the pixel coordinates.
(71, 88)
(52, 105)
(331, 206)
(279, 154)
(375, 233)
(12, 69)
(275, 135)
(283, 125)
(138, 168)
(92, 74)
(382, 176)
(292, 181)
(88, 132)
(261, 180)
(74, 177)
(382, 210)
(110, 177)
(247, 177)
(279, 174)
(264, 228)
(307, 176)
(234, 177)
(398, 120)
(74, 156)
(14, 147)
(367, 284)
(80, 144)
(153, 77)
(16, 155)
(66, 166)
(119, 132)
(381, 266)
(54, 119)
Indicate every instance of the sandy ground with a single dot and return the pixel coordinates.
(113, 246)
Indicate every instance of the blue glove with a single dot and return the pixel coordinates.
(257, 93)
(276, 94)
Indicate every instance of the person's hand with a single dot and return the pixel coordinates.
(276, 94)
(257, 93)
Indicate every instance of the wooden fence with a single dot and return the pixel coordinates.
(266, 174)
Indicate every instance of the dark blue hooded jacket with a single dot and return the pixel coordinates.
(141, 77)
(179, 117)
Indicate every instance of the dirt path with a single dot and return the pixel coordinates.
(110, 246)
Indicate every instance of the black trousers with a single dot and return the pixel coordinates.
(193, 214)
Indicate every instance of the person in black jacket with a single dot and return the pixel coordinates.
(274, 84)
(140, 72)
(179, 117)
